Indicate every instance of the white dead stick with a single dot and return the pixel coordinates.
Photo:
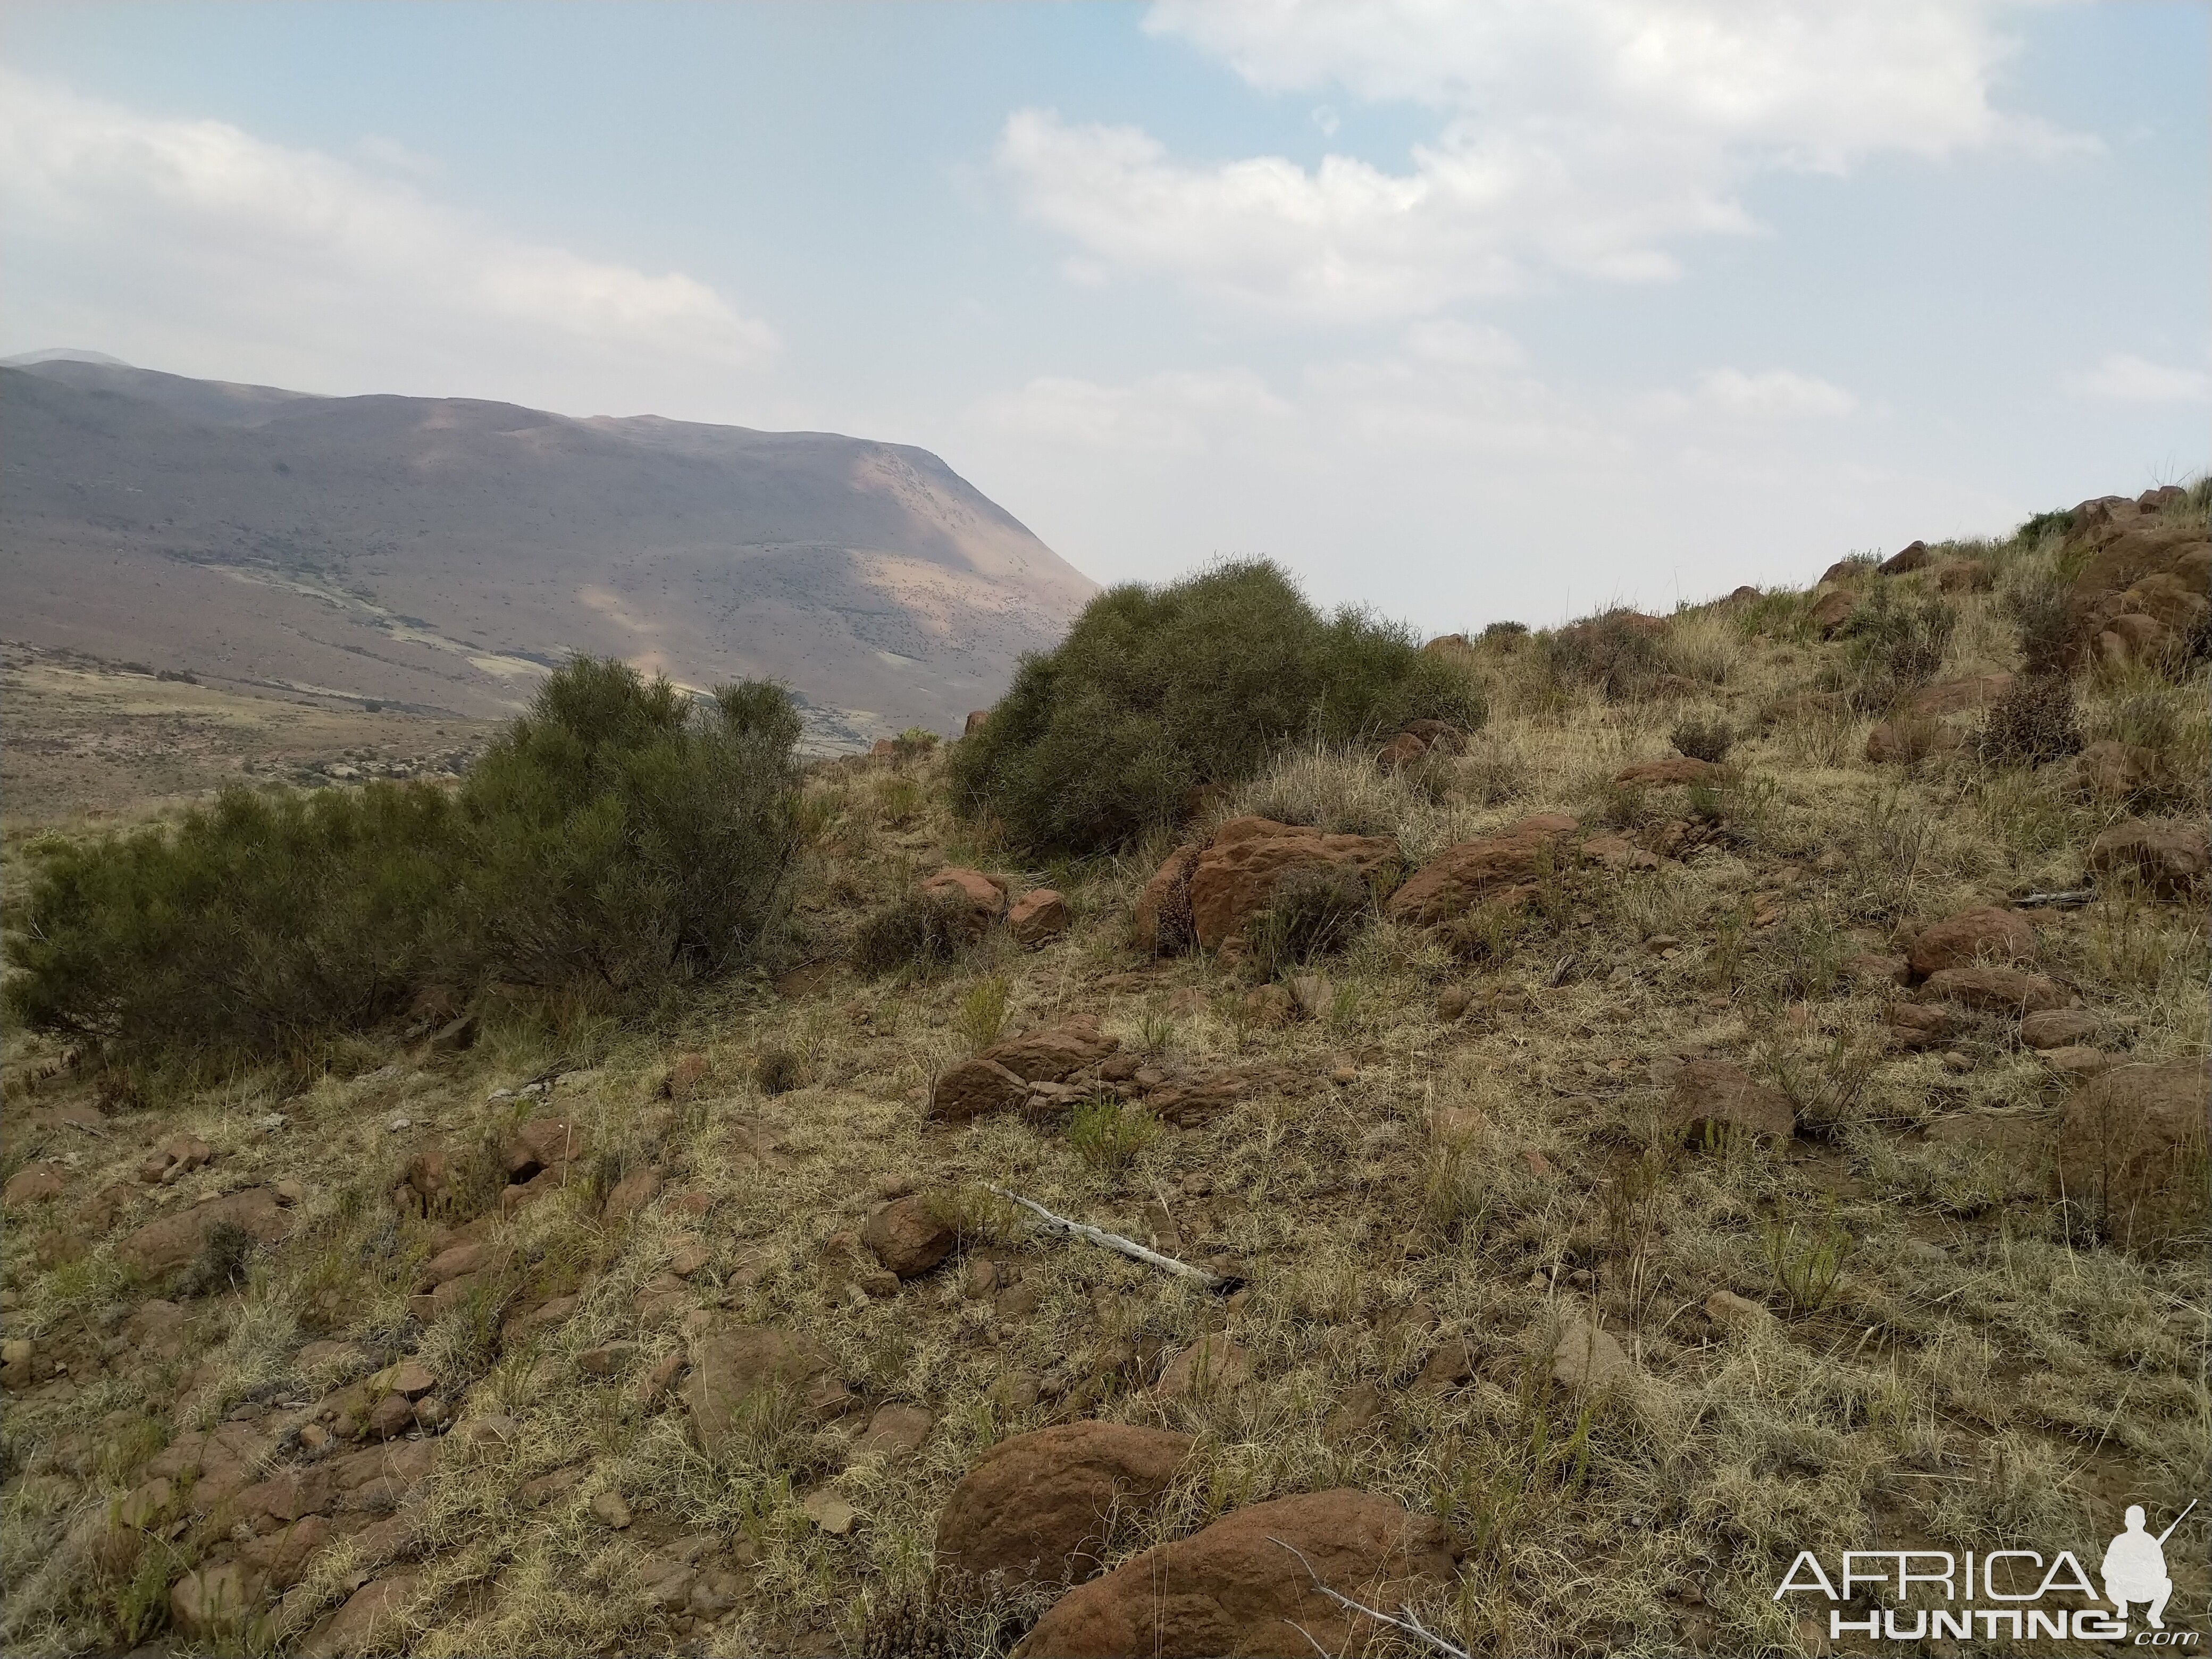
(1217, 1282)
(1410, 1624)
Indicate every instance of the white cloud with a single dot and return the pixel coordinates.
(1770, 395)
(1176, 412)
(190, 245)
(2122, 378)
(1578, 136)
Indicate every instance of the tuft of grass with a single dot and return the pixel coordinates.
(983, 1012)
(919, 933)
(1807, 1259)
(1109, 1134)
(1310, 914)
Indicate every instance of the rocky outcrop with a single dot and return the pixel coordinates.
(981, 899)
(175, 1240)
(1252, 1583)
(1236, 872)
(1038, 1509)
(1005, 1077)
(2140, 594)
(1905, 560)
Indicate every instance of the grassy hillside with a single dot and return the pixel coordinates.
(1431, 1153)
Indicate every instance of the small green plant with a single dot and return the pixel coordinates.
(1156, 1031)
(983, 1012)
(1108, 1135)
(1807, 1259)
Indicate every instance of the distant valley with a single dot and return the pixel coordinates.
(438, 555)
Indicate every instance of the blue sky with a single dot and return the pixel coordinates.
(1464, 311)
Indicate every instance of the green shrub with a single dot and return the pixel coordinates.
(1616, 652)
(2045, 523)
(1896, 643)
(618, 836)
(922, 931)
(2032, 723)
(1705, 740)
(1311, 913)
(1156, 692)
(1108, 1135)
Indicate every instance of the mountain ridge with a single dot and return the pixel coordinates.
(440, 553)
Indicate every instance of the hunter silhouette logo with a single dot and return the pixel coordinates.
(2135, 1567)
(2012, 1587)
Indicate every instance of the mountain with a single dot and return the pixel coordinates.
(440, 553)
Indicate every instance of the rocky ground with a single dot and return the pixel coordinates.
(1693, 1162)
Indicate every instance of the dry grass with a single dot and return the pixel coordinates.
(1941, 1360)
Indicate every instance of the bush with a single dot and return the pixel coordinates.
(1897, 644)
(778, 1070)
(2032, 723)
(618, 836)
(1705, 740)
(1617, 651)
(2043, 608)
(1158, 693)
(1311, 913)
(922, 931)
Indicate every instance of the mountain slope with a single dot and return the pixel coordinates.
(440, 552)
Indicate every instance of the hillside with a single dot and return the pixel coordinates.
(1760, 1108)
(437, 554)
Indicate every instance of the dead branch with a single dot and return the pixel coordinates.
(1221, 1284)
(1412, 1626)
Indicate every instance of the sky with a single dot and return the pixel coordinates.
(1469, 311)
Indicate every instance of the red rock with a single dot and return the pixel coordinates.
(280, 1558)
(909, 1236)
(285, 1497)
(982, 897)
(1237, 872)
(2115, 771)
(370, 1621)
(1966, 576)
(2131, 1147)
(1986, 933)
(977, 719)
(2169, 859)
(1038, 1509)
(175, 1239)
(1188, 1102)
(1712, 1097)
(178, 1155)
(2057, 1028)
(895, 1431)
(631, 1193)
(976, 1088)
(1915, 1027)
(1462, 876)
(1056, 1054)
(1211, 1365)
(472, 1255)
(541, 1145)
(1911, 737)
(209, 1606)
(1954, 696)
(1402, 749)
(1039, 915)
(734, 1366)
(35, 1183)
(1829, 615)
(1235, 1588)
(1914, 558)
(2004, 990)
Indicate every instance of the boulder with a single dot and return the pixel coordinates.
(542, 1144)
(1056, 1053)
(175, 1240)
(909, 1236)
(1252, 1583)
(369, 1622)
(631, 1193)
(1905, 560)
(1038, 1508)
(883, 749)
(1039, 915)
(2057, 1028)
(35, 1183)
(209, 1606)
(1712, 1097)
(1832, 611)
(280, 1558)
(973, 1088)
(1911, 737)
(2131, 1147)
(1999, 990)
(1267, 1006)
(895, 1431)
(1187, 1101)
(1676, 769)
(178, 1155)
(1211, 1365)
(1236, 872)
(1402, 749)
(735, 1367)
(2169, 859)
(1988, 933)
(1956, 696)
(1585, 1358)
(1490, 868)
(1739, 1312)
(2110, 770)
(982, 898)
(977, 719)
